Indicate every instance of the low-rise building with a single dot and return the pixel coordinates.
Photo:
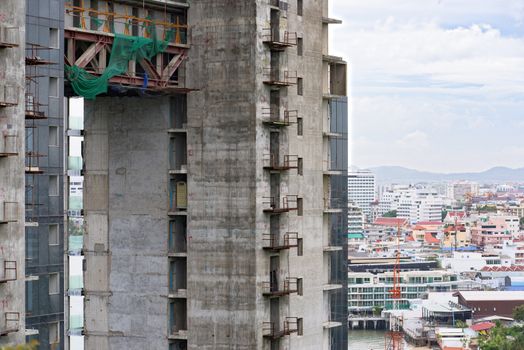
(355, 240)
(456, 237)
(368, 290)
(472, 261)
(495, 230)
(491, 303)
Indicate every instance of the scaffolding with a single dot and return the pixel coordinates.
(33, 113)
(107, 19)
(94, 33)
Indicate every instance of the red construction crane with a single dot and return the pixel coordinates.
(394, 338)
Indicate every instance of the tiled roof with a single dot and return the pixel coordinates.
(451, 228)
(503, 268)
(482, 326)
(458, 214)
(429, 223)
(390, 221)
(428, 238)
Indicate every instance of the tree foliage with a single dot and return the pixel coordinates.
(518, 313)
(390, 214)
(461, 324)
(503, 338)
(377, 310)
(487, 208)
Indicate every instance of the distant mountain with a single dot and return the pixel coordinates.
(398, 174)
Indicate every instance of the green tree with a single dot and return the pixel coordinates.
(444, 214)
(521, 222)
(390, 214)
(487, 208)
(518, 313)
(502, 338)
(377, 310)
(461, 324)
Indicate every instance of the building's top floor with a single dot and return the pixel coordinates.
(161, 19)
(406, 277)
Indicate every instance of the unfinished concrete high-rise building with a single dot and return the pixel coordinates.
(44, 208)
(12, 135)
(215, 174)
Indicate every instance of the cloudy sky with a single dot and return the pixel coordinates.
(435, 84)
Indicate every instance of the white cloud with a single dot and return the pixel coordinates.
(415, 140)
(444, 76)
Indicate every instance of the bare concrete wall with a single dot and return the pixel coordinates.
(222, 298)
(126, 280)
(12, 184)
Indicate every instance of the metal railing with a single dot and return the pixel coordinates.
(274, 76)
(289, 202)
(272, 330)
(9, 36)
(272, 241)
(9, 271)
(271, 161)
(273, 36)
(8, 95)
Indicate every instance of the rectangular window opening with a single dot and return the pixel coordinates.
(300, 127)
(300, 208)
(300, 247)
(300, 326)
(53, 136)
(54, 333)
(300, 87)
(300, 166)
(53, 234)
(300, 47)
(54, 283)
(53, 87)
(54, 38)
(300, 7)
(300, 286)
(53, 185)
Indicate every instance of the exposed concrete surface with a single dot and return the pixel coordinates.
(12, 184)
(125, 209)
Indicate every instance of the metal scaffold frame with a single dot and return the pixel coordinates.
(89, 48)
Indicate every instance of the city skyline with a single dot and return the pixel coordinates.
(439, 77)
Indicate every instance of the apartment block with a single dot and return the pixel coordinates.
(362, 191)
(44, 172)
(215, 174)
(368, 290)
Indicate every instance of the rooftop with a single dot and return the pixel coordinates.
(391, 221)
(482, 326)
(429, 223)
(492, 295)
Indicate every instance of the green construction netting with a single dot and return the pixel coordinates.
(125, 48)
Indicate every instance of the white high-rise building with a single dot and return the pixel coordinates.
(355, 219)
(420, 205)
(361, 188)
